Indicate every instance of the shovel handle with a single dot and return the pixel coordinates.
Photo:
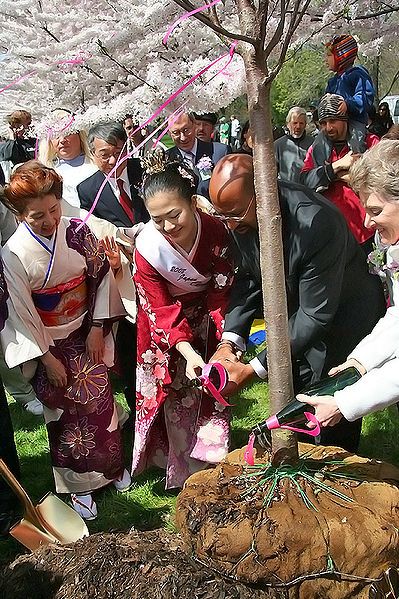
(29, 508)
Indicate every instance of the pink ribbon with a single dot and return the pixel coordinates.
(186, 16)
(80, 58)
(313, 432)
(206, 381)
(17, 81)
(229, 54)
(249, 451)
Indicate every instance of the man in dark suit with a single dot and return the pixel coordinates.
(333, 302)
(199, 155)
(119, 201)
(120, 204)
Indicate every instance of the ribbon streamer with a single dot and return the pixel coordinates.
(229, 54)
(249, 451)
(80, 58)
(206, 381)
(186, 16)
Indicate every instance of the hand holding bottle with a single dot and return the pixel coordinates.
(326, 409)
(348, 364)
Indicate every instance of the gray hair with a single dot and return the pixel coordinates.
(378, 170)
(110, 132)
(295, 110)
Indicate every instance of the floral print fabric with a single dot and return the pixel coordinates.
(178, 427)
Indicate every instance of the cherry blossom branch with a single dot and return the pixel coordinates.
(104, 51)
(188, 6)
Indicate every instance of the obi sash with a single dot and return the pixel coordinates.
(62, 304)
(180, 274)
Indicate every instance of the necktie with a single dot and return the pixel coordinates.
(189, 159)
(125, 201)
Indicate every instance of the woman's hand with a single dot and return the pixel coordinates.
(55, 370)
(348, 364)
(194, 365)
(95, 344)
(194, 361)
(326, 408)
(112, 251)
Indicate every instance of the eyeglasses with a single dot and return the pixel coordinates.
(235, 219)
(107, 157)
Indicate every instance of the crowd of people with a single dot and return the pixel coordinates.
(165, 278)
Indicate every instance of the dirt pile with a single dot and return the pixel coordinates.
(139, 565)
(333, 533)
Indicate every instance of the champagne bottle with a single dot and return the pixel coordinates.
(293, 412)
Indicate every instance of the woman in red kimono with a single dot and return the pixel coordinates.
(183, 273)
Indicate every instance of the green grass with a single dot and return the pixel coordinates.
(147, 505)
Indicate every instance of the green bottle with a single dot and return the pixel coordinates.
(293, 412)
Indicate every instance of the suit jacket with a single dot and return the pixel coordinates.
(214, 150)
(333, 301)
(108, 206)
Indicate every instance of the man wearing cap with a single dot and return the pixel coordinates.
(330, 176)
(332, 300)
(205, 126)
(199, 155)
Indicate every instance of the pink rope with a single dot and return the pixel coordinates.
(184, 17)
(229, 54)
(80, 58)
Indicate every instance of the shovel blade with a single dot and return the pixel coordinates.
(30, 535)
(60, 520)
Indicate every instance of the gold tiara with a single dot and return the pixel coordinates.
(154, 161)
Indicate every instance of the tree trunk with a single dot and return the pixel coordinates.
(271, 250)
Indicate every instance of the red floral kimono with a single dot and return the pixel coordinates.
(55, 288)
(183, 297)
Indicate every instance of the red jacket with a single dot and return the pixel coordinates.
(338, 191)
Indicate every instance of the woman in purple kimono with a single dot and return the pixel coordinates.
(62, 304)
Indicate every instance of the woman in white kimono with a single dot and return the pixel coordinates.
(62, 303)
(375, 178)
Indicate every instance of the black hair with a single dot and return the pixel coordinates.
(175, 176)
(111, 132)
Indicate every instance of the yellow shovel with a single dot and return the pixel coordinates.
(50, 521)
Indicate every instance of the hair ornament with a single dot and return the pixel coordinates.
(186, 174)
(154, 162)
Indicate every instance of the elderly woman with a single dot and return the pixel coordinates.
(67, 152)
(375, 178)
(62, 303)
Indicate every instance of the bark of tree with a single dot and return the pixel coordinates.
(285, 447)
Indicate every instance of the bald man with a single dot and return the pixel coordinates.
(332, 299)
(200, 155)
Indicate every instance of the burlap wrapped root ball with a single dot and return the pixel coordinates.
(240, 536)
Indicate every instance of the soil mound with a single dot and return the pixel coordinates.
(138, 565)
(327, 533)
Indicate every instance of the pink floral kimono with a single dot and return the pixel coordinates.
(183, 297)
(56, 287)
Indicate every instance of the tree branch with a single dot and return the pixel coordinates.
(279, 30)
(394, 80)
(217, 28)
(104, 51)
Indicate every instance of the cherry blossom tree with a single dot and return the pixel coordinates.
(103, 59)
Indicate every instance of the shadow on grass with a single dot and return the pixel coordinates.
(23, 420)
